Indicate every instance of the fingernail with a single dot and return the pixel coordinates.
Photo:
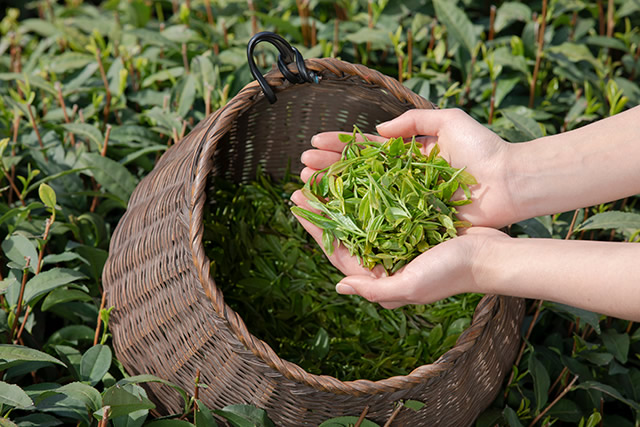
(383, 124)
(313, 140)
(343, 289)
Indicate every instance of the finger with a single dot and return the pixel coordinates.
(316, 232)
(307, 173)
(419, 122)
(329, 140)
(392, 305)
(319, 159)
(386, 289)
(428, 142)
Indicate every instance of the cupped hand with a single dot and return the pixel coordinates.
(447, 269)
(463, 142)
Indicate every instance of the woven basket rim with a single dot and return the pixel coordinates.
(219, 124)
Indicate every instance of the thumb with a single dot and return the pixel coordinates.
(382, 289)
(416, 122)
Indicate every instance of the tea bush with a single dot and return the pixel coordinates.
(92, 93)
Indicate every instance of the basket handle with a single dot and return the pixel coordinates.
(288, 54)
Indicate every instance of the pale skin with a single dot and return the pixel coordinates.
(595, 164)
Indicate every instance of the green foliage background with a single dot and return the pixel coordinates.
(91, 95)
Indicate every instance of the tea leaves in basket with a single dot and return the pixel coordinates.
(277, 278)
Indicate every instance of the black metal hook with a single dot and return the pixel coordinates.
(288, 55)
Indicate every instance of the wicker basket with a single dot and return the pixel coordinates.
(170, 320)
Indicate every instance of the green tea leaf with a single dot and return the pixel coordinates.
(592, 319)
(111, 175)
(12, 355)
(607, 220)
(48, 280)
(245, 415)
(170, 423)
(86, 130)
(617, 344)
(147, 378)
(524, 124)
(320, 345)
(509, 12)
(511, 417)
(12, 395)
(187, 95)
(47, 195)
(70, 61)
(137, 419)
(126, 399)
(457, 24)
(541, 381)
(37, 420)
(95, 363)
(315, 219)
(62, 295)
(83, 393)
(17, 248)
(347, 422)
(414, 404)
(203, 416)
(607, 389)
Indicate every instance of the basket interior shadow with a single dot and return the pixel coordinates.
(170, 320)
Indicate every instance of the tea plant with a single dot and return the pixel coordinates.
(91, 95)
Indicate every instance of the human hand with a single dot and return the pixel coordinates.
(463, 142)
(447, 269)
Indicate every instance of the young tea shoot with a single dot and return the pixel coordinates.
(276, 277)
(387, 202)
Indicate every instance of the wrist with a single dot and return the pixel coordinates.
(527, 179)
(488, 269)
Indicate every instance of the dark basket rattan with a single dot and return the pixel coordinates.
(170, 320)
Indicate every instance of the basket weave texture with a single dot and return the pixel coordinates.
(170, 320)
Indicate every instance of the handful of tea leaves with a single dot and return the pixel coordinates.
(386, 202)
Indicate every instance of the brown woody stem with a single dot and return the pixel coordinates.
(566, 390)
(409, 52)
(185, 58)
(601, 19)
(362, 416)
(58, 87)
(394, 414)
(207, 6)
(492, 18)
(35, 126)
(105, 82)
(432, 40)
(13, 186)
(610, 21)
(536, 68)
(20, 296)
(99, 322)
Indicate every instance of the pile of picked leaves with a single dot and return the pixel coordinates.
(386, 202)
(281, 283)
